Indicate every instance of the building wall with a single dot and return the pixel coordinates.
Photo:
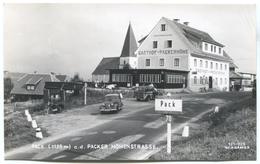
(132, 61)
(201, 71)
(148, 50)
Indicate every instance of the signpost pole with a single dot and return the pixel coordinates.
(85, 96)
(169, 127)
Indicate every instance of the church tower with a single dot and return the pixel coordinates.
(127, 58)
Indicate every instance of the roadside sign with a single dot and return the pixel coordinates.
(168, 106)
(168, 118)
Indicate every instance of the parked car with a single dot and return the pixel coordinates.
(145, 93)
(111, 86)
(113, 103)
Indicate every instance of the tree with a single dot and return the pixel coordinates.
(76, 78)
(8, 86)
(127, 66)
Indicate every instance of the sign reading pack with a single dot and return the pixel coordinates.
(168, 106)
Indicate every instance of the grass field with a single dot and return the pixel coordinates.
(18, 131)
(227, 135)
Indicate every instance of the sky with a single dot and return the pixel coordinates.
(69, 38)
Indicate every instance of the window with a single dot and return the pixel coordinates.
(201, 80)
(113, 77)
(225, 67)
(206, 64)
(219, 50)
(214, 48)
(168, 44)
(154, 44)
(195, 79)
(120, 78)
(211, 48)
(225, 80)
(216, 81)
(163, 27)
(195, 62)
(220, 81)
(176, 62)
(220, 66)
(161, 62)
(201, 64)
(150, 78)
(216, 66)
(30, 87)
(177, 79)
(147, 62)
(206, 46)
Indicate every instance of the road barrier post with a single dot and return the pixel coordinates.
(26, 112)
(34, 125)
(29, 118)
(38, 133)
(185, 132)
(216, 109)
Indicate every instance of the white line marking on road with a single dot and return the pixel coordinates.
(61, 156)
(75, 139)
(109, 132)
(155, 124)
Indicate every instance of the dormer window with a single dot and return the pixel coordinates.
(30, 87)
(219, 50)
(206, 46)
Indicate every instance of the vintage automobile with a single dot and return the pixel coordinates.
(112, 103)
(145, 93)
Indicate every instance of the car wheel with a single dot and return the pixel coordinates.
(47, 110)
(137, 99)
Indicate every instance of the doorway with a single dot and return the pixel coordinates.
(210, 82)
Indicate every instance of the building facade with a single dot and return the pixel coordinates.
(173, 55)
(127, 59)
(180, 48)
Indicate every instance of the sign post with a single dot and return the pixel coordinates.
(85, 96)
(168, 107)
(169, 133)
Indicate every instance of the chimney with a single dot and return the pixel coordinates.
(176, 20)
(186, 23)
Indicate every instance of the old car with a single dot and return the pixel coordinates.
(113, 103)
(145, 93)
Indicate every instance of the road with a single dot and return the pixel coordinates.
(133, 134)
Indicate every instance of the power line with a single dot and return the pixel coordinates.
(248, 21)
(244, 22)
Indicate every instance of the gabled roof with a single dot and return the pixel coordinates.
(130, 45)
(235, 75)
(62, 78)
(64, 85)
(38, 80)
(188, 33)
(231, 63)
(192, 32)
(107, 63)
(15, 76)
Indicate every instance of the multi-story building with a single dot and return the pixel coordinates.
(175, 55)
